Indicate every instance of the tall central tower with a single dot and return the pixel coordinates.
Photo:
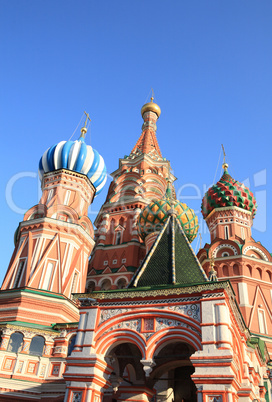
(141, 177)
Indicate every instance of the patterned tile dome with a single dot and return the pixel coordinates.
(228, 192)
(154, 215)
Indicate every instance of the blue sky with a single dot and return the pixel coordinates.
(209, 63)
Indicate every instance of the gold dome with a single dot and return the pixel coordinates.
(151, 107)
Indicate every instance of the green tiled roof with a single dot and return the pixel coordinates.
(171, 260)
(254, 342)
(28, 325)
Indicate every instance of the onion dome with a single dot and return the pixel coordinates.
(75, 156)
(154, 215)
(151, 107)
(228, 192)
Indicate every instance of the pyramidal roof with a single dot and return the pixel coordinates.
(170, 261)
(147, 143)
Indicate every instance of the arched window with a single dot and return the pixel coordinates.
(225, 270)
(106, 284)
(71, 345)
(121, 283)
(90, 287)
(15, 342)
(236, 269)
(36, 346)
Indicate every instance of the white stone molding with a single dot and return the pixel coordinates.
(215, 251)
(148, 366)
(254, 248)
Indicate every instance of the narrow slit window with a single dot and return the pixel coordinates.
(67, 197)
(226, 232)
(118, 238)
(19, 273)
(48, 275)
(262, 322)
(50, 195)
(74, 283)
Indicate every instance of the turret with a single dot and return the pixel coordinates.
(55, 239)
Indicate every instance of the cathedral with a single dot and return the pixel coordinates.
(126, 311)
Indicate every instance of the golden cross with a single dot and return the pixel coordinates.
(87, 118)
(84, 128)
(224, 153)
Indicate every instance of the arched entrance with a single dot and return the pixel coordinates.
(171, 377)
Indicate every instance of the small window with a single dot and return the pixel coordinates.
(48, 275)
(225, 254)
(106, 262)
(36, 346)
(15, 342)
(121, 283)
(74, 283)
(124, 260)
(118, 238)
(71, 345)
(19, 273)
(114, 262)
(262, 322)
(90, 287)
(106, 284)
(67, 197)
(81, 204)
(50, 195)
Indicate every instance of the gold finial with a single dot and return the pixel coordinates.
(225, 165)
(212, 273)
(152, 95)
(84, 128)
(151, 106)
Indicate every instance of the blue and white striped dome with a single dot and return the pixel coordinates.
(76, 156)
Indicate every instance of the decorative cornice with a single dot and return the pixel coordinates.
(149, 292)
(57, 222)
(35, 331)
(227, 209)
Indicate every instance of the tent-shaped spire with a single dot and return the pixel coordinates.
(170, 261)
(147, 142)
